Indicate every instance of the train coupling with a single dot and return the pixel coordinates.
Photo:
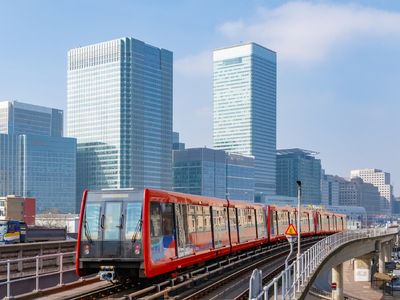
(107, 273)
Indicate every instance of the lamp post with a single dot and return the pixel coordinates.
(298, 216)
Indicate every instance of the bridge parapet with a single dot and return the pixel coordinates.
(292, 282)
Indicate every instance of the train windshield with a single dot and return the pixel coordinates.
(112, 216)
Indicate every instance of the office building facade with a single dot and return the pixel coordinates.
(120, 111)
(176, 144)
(356, 192)
(298, 164)
(379, 179)
(245, 108)
(214, 173)
(35, 159)
(329, 189)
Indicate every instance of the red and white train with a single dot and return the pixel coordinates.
(142, 234)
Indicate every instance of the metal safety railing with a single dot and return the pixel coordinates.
(40, 266)
(291, 280)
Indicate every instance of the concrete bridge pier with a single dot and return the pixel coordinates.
(362, 268)
(337, 278)
(381, 263)
(388, 251)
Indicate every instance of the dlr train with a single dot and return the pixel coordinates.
(132, 235)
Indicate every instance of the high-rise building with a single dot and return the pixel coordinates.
(176, 144)
(379, 179)
(35, 159)
(329, 189)
(298, 164)
(120, 111)
(215, 173)
(23, 118)
(356, 192)
(245, 108)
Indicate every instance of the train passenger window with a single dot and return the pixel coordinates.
(261, 224)
(133, 219)
(91, 223)
(233, 225)
(247, 224)
(183, 220)
(220, 226)
(304, 222)
(202, 238)
(162, 231)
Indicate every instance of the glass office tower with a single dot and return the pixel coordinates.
(215, 173)
(35, 159)
(299, 164)
(245, 108)
(120, 111)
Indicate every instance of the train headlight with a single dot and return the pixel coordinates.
(137, 249)
(86, 249)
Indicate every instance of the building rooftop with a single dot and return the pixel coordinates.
(296, 151)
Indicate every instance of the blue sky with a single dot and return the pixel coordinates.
(338, 64)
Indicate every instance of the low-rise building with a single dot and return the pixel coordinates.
(18, 208)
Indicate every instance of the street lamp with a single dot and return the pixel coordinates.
(298, 217)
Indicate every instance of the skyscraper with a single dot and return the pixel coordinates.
(120, 111)
(35, 159)
(245, 108)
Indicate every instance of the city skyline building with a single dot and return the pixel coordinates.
(214, 173)
(379, 179)
(35, 159)
(356, 192)
(244, 108)
(298, 164)
(120, 110)
(329, 189)
(176, 144)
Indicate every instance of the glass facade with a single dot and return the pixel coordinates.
(35, 160)
(48, 172)
(298, 164)
(214, 173)
(8, 165)
(245, 108)
(22, 118)
(120, 111)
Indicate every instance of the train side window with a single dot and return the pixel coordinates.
(233, 225)
(247, 225)
(162, 231)
(220, 227)
(183, 219)
(261, 229)
(202, 238)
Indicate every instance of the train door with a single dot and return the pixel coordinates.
(111, 224)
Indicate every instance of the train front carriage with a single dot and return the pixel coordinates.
(109, 237)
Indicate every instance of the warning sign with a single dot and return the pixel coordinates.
(291, 230)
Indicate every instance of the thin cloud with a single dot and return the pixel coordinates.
(306, 32)
(199, 64)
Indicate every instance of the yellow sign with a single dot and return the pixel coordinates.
(291, 230)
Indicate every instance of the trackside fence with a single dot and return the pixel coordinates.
(288, 284)
(63, 262)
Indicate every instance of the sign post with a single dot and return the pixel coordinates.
(291, 235)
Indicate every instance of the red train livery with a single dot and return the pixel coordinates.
(126, 234)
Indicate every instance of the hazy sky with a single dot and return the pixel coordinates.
(338, 64)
